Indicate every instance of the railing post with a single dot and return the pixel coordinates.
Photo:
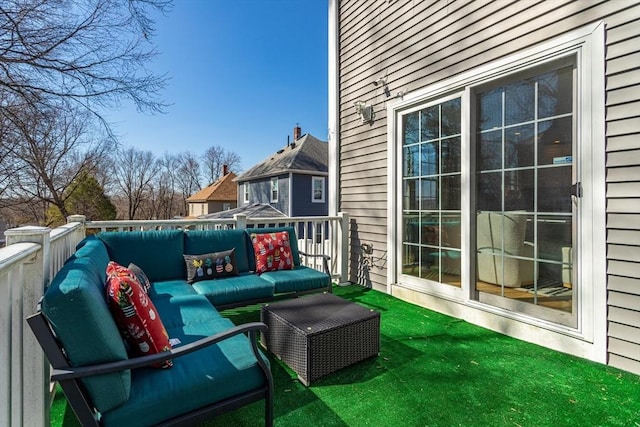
(30, 380)
(241, 221)
(77, 218)
(343, 251)
(81, 231)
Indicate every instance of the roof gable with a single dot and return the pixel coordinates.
(306, 154)
(224, 189)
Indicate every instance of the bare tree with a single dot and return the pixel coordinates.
(61, 63)
(215, 158)
(187, 177)
(90, 51)
(135, 171)
(167, 203)
(56, 144)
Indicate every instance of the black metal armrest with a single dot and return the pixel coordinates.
(325, 260)
(251, 329)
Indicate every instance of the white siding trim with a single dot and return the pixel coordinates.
(595, 76)
(333, 184)
(394, 209)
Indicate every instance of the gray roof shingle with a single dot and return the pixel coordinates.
(307, 154)
(257, 210)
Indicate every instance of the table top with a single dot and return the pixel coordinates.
(319, 312)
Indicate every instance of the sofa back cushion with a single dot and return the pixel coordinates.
(157, 253)
(208, 241)
(293, 243)
(76, 307)
(92, 247)
(92, 253)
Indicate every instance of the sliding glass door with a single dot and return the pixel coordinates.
(502, 157)
(525, 176)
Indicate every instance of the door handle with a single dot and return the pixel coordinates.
(576, 189)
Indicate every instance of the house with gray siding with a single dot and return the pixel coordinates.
(489, 154)
(292, 180)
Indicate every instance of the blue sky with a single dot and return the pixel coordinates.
(242, 74)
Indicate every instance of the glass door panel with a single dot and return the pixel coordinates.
(525, 212)
(431, 193)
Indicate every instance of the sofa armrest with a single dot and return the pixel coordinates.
(325, 260)
(252, 329)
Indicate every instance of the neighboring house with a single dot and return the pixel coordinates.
(293, 180)
(489, 152)
(222, 195)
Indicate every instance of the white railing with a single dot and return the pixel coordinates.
(34, 255)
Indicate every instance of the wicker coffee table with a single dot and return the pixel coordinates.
(319, 334)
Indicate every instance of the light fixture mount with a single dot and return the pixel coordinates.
(364, 110)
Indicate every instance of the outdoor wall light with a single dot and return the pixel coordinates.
(364, 111)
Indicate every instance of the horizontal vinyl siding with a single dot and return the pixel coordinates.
(417, 44)
(623, 189)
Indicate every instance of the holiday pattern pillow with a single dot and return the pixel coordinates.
(211, 266)
(272, 251)
(135, 314)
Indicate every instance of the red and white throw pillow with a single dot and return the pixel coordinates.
(135, 314)
(272, 251)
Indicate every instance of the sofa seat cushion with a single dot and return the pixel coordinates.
(197, 379)
(185, 310)
(75, 305)
(157, 253)
(170, 288)
(301, 278)
(244, 287)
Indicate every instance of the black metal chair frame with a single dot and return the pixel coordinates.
(69, 377)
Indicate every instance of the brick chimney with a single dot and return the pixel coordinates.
(225, 170)
(296, 133)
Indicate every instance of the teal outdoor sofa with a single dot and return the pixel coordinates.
(217, 366)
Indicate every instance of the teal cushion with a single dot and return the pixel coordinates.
(197, 379)
(98, 270)
(170, 288)
(185, 310)
(301, 278)
(157, 253)
(92, 247)
(229, 290)
(207, 241)
(293, 241)
(77, 310)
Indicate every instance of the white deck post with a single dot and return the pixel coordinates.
(241, 221)
(30, 380)
(343, 250)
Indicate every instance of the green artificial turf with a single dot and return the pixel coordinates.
(434, 370)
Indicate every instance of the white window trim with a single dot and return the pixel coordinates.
(314, 179)
(277, 192)
(246, 192)
(588, 44)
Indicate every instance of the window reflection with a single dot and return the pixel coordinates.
(524, 149)
(432, 193)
